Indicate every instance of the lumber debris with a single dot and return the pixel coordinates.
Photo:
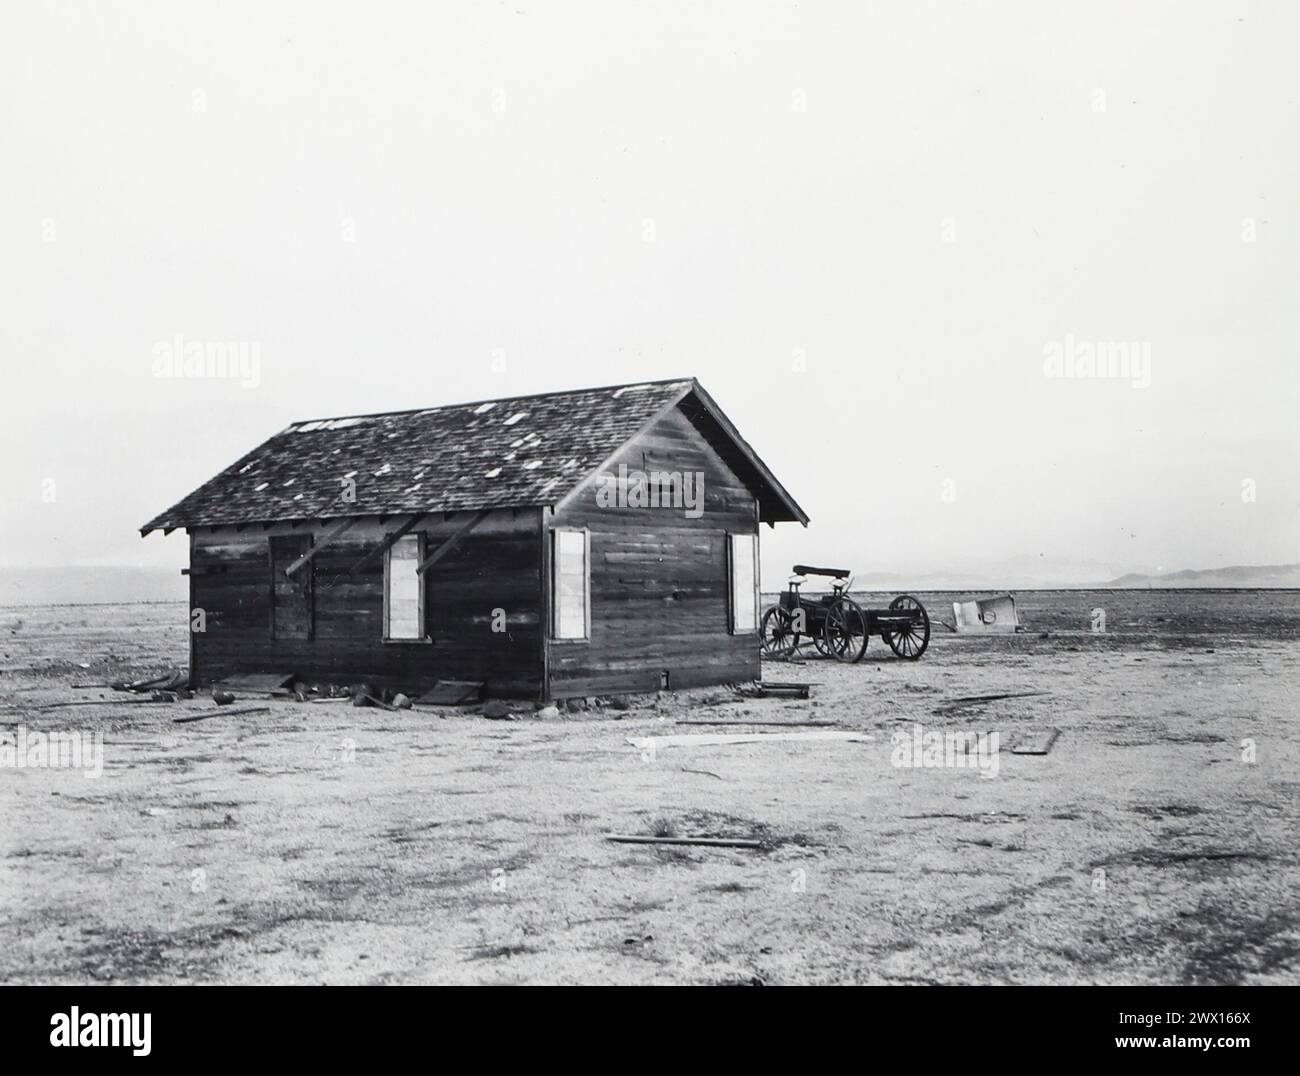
(366, 695)
(452, 693)
(742, 721)
(221, 713)
(373, 700)
(90, 702)
(270, 683)
(776, 688)
(1041, 743)
(653, 743)
(177, 678)
(963, 701)
(706, 842)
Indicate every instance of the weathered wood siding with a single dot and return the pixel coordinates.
(659, 580)
(497, 565)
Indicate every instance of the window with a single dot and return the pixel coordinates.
(570, 584)
(743, 564)
(403, 590)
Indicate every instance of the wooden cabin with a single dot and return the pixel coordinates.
(551, 546)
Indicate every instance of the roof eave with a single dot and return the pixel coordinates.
(167, 525)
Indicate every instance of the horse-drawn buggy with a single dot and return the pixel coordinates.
(836, 625)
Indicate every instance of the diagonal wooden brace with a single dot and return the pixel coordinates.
(452, 541)
(387, 543)
(325, 539)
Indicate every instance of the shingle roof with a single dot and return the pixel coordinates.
(526, 450)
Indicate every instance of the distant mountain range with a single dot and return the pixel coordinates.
(1032, 573)
(1250, 576)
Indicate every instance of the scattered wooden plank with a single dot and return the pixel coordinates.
(976, 700)
(706, 842)
(221, 713)
(998, 695)
(788, 691)
(452, 693)
(741, 721)
(171, 680)
(652, 743)
(86, 702)
(452, 541)
(374, 700)
(1040, 745)
(270, 682)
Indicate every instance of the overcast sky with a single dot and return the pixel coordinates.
(869, 229)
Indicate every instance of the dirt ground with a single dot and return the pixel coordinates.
(321, 843)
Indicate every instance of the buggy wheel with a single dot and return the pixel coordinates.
(909, 642)
(845, 630)
(780, 640)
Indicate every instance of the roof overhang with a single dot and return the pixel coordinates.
(774, 501)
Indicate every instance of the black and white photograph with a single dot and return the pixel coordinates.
(651, 494)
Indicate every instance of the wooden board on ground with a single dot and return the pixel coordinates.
(705, 842)
(967, 701)
(652, 743)
(1038, 743)
(452, 693)
(221, 713)
(256, 682)
(739, 722)
(773, 688)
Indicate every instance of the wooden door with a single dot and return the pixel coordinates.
(291, 597)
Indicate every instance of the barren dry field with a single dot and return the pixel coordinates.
(321, 843)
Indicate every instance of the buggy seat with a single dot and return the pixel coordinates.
(833, 573)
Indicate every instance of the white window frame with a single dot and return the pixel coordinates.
(732, 627)
(554, 627)
(421, 621)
